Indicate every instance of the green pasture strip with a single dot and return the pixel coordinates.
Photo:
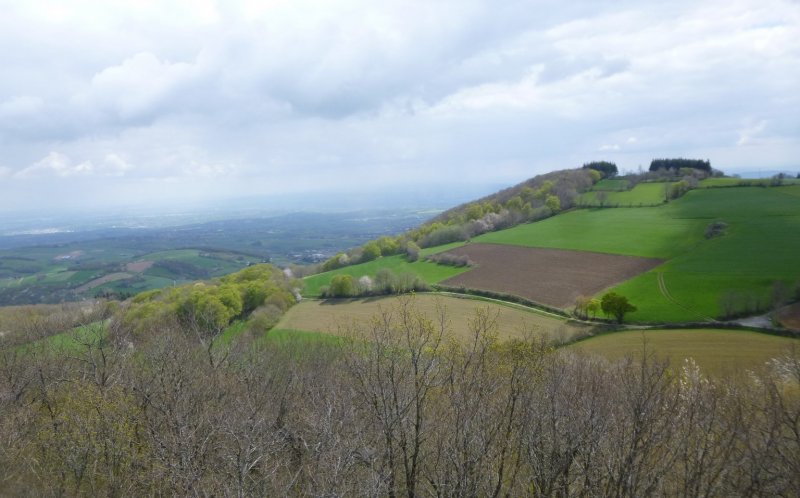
(643, 194)
(716, 351)
(429, 272)
(611, 184)
(743, 182)
(652, 232)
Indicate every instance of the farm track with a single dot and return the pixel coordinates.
(662, 287)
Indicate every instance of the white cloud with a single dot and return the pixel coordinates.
(608, 147)
(749, 133)
(56, 164)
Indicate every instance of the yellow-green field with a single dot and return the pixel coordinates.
(513, 322)
(716, 351)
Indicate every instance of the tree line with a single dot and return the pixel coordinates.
(399, 407)
(677, 164)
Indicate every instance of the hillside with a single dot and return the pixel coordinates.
(717, 252)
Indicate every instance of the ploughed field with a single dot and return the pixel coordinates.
(550, 276)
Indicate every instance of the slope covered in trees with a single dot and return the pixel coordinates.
(404, 409)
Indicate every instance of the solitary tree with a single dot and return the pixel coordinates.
(616, 305)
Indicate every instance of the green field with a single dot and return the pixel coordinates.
(739, 182)
(651, 232)
(644, 194)
(429, 272)
(512, 321)
(611, 185)
(716, 351)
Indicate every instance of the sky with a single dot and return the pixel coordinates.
(115, 103)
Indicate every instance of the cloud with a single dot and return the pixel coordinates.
(256, 97)
(59, 165)
(749, 133)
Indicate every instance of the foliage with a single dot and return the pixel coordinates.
(616, 305)
(342, 286)
(370, 251)
(209, 307)
(715, 229)
(586, 307)
(553, 203)
(412, 251)
(403, 405)
(677, 164)
(608, 169)
(449, 259)
(444, 235)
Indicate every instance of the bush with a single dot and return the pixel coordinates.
(412, 251)
(450, 259)
(716, 229)
(342, 286)
(263, 319)
(444, 235)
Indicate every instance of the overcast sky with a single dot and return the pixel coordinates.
(105, 102)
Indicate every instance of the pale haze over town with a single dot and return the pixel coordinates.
(122, 103)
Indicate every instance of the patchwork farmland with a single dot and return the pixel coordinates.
(551, 276)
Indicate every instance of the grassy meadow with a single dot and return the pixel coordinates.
(512, 321)
(643, 194)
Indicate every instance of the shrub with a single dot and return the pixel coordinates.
(342, 286)
(450, 259)
(716, 229)
(444, 235)
(412, 251)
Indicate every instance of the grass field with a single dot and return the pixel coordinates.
(429, 272)
(716, 351)
(328, 316)
(644, 194)
(611, 185)
(650, 232)
(737, 182)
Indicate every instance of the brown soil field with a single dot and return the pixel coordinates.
(550, 276)
(139, 266)
(329, 315)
